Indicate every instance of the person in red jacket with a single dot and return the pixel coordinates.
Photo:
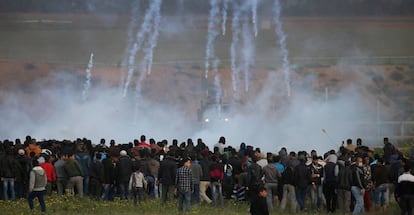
(50, 172)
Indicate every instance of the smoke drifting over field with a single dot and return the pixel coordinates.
(270, 119)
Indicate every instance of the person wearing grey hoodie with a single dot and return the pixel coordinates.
(37, 186)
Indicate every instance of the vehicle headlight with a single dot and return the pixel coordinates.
(226, 119)
(206, 120)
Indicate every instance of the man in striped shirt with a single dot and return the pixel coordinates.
(184, 185)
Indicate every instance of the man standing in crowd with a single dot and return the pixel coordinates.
(184, 185)
(303, 180)
(123, 173)
(388, 149)
(197, 173)
(358, 187)
(8, 172)
(216, 179)
(50, 172)
(61, 177)
(96, 174)
(166, 176)
(380, 175)
(405, 191)
(205, 178)
(289, 182)
(37, 186)
(271, 179)
(344, 186)
(331, 170)
(75, 174)
(316, 187)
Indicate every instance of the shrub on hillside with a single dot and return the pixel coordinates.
(397, 76)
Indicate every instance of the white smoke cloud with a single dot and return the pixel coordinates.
(268, 119)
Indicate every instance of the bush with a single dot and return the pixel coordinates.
(397, 76)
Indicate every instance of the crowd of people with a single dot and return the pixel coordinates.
(351, 179)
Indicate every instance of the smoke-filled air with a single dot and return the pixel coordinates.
(228, 68)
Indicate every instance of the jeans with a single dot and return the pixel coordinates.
(184, 198)
(196, 194)
(203, 187)
(86, 181)
(150, 186)
(216, 187)
(8, 184)
(271, 189)
(359, 200)
(288, 191)
(61, 184)
(379, 194)
(40, 196)
(108, 194)
(316, 196)
(123, 192)
(301, 197)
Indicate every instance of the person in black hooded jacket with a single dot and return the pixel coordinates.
(166, 175)
(258, 204)
(123, 173)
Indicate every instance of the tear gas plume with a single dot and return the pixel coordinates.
(254, 16)
(212, 33)
(282, 43)
(149, 51)
(145, 29)
(224, 16)
(248, 53)
(132, 27)
(56, 107)
(87, 84)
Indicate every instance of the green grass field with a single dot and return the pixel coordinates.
(74, 205)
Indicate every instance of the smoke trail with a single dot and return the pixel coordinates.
(217, 85)
(233, 47)
(140, 37)
(149, 51)
(224, 16)
(248, 53)
(236, 31)
(282, 42)
(133, 23)
(212, 33)
(87, 84)
(254, 16)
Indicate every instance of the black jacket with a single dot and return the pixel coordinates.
(358, 177)
(259, 206)
(205, 167)
(109, 171)
(288, 176)
(8, 166)
(345, 178)
(255, 175)
(302, 176)
(123, 170)
(96, 171)
(167, 171)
